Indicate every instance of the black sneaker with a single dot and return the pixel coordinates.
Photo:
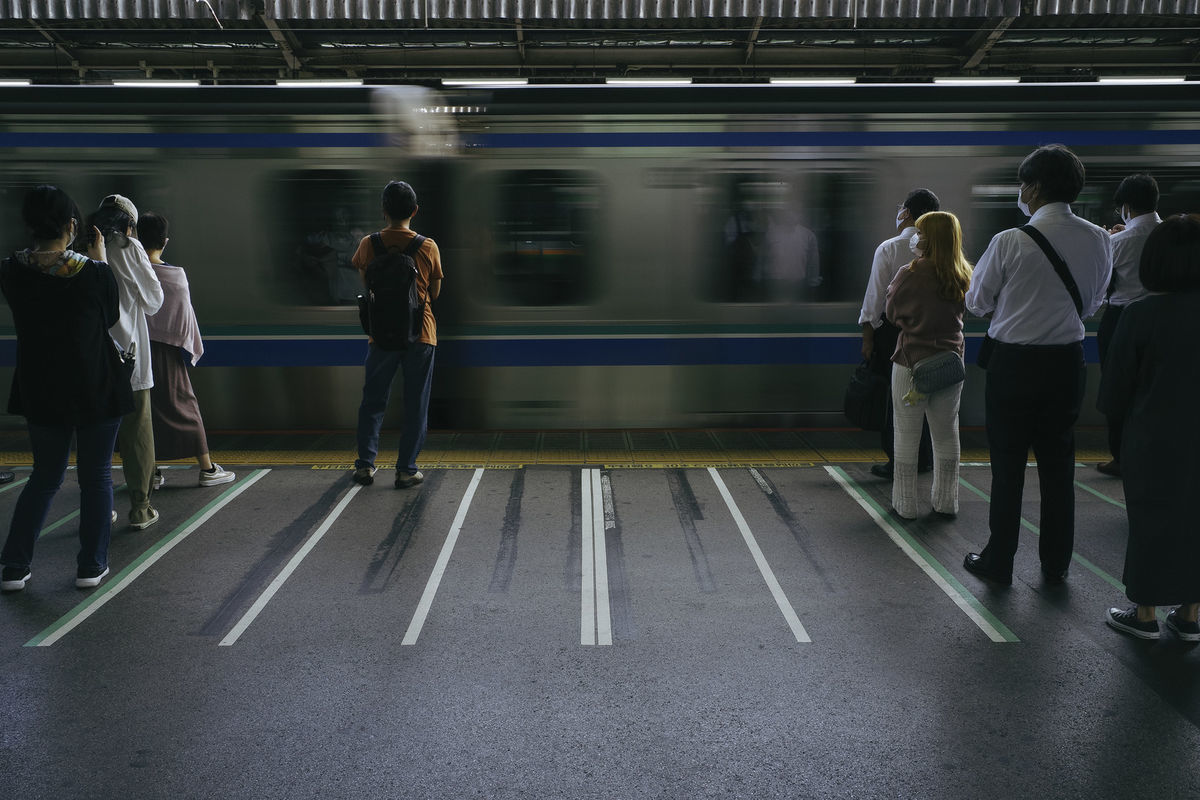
(406, 481)
(13, 578)
(1126, 621)
(88, 577)
(1186, 631)
(365, 475)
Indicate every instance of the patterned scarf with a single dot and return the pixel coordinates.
(67, 264)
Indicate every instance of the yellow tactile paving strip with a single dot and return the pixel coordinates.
(617, 449)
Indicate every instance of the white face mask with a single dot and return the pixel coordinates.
(913, 245)
(900, 217)
(1021, 204)
(1126, 215)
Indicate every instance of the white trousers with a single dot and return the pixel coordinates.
(941, 409)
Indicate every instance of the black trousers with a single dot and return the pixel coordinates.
(1104, 337)
(881, 363)
(1032, 400)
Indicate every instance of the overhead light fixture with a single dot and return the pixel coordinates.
(648, 81)
(812, 81)
(1143, 81)
(481, 82)
(977, 81)
(16, 82)
(317, 83)
(159, 84)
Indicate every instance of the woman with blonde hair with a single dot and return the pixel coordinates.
(926, 301)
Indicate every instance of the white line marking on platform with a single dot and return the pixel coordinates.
(439, 569)
(587, 555)
(596, 514)
(108, 591)
(600, 543)
(288, 569)
(987, 622)
(789, 613)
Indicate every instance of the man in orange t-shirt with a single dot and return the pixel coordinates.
(416, 362)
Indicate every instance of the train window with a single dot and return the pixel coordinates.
(545, 224)
(777, 237)
(994, 198)
(324, 215)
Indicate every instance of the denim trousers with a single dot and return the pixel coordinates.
(51, 446)
(416, 365)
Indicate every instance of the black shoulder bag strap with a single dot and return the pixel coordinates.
(1060, 266)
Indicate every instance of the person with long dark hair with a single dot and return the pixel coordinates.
(1150, 383)
(69, 381)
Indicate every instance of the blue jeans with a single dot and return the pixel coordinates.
(51, 446)
(417, 365)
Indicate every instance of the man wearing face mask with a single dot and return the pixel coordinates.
(878, 335)
(1035, 370)
(1137, 202)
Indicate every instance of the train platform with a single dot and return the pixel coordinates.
(584, 615)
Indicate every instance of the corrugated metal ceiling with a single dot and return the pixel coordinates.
(402, 10)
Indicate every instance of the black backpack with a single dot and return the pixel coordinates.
(392, 310)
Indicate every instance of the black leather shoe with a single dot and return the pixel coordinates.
(1054, 577)
(1111, 468)
(6, 476)
(882, 470)
(975, 565)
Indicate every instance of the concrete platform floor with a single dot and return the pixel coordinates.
(775, 633)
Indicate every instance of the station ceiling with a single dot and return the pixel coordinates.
(232, 41)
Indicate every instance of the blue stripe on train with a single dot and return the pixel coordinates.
(1079, 138)
(839, 350)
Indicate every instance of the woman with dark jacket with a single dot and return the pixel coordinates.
(1151, 379)
(69, 381)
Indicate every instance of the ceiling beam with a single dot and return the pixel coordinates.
(980, 49)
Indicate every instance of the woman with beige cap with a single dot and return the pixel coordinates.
(140, 294)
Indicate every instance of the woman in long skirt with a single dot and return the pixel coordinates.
(174, 345)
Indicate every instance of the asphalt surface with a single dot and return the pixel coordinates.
(253, 644)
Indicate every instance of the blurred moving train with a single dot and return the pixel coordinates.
(614, 256)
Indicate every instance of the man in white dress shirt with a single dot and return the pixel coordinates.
(1035, 372)
(878, 335)
(1137, 201)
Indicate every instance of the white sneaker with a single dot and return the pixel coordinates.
(114, 517)
(216, 477)
(158, 480)
(151, 517)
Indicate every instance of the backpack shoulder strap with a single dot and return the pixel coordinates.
(1060, 266)
(415, 245)
(377, 243)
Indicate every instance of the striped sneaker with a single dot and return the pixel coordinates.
(1126, 621)
(1186, 631)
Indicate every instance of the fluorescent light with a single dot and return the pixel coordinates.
(316, 83)
(20, 82)
(1143, 81)
(485, 82)
(648, 81)
(812, 81)
(157, 84)
(977, 81)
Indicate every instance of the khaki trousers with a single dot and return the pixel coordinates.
(136, 440)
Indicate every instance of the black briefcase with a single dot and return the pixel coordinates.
(865, 403)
